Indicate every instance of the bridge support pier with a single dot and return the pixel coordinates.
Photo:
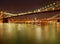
(5, 20)
(58, 20)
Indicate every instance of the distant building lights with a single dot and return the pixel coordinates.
(54, 3)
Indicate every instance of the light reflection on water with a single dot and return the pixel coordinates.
(11, 33)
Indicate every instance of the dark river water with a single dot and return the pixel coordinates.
(13, 33)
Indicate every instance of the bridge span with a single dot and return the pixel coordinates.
(38, 15)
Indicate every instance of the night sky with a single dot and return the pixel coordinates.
(16, 6)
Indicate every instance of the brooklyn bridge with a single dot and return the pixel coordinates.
(34, 16)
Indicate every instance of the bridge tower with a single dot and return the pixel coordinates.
(1, 16)
(5, 20)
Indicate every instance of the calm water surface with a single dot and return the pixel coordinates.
(12, 33)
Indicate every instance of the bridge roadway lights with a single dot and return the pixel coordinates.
(5, 20)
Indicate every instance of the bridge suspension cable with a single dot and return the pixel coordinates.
(50, 7)
(53, 17)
